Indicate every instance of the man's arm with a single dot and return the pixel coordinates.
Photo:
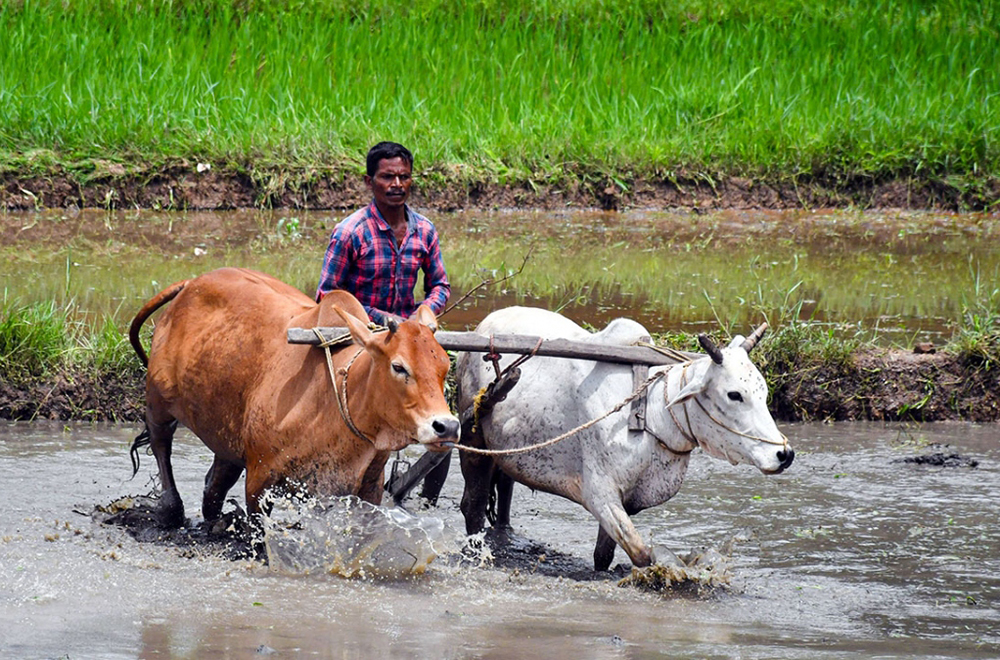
(437, 288)
(336, 263)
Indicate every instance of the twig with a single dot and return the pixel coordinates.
(489, 282)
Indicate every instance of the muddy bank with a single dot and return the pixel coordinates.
(884, 385)
(182, 186)
(889, 385)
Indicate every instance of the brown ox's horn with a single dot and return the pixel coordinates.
(710, 348)
(754, 337)
(392, 325)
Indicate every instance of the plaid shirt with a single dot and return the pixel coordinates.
(363, 258)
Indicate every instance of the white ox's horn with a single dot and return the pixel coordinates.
(754, 337)
(710, 348)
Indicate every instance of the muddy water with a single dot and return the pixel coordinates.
(850, 553)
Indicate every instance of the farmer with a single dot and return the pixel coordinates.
(377, 253)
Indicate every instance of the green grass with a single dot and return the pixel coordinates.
(32, 338)
(977, 341)
(38, 340)
(506, 90)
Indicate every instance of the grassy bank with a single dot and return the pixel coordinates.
(53, 365)
(508, 91)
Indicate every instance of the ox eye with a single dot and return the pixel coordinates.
(735, 396)
(400, 369)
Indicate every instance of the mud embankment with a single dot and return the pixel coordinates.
(182, 187)
(876, 385)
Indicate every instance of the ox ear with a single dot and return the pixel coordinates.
(426, 317)
(692, 389)
(358, 329)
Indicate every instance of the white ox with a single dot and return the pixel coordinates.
(718, 403)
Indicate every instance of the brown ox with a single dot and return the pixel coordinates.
(220, 364)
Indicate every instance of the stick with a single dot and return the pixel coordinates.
(523, 344)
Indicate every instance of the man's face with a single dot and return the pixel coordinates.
(391, 183)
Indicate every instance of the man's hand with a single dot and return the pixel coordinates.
(385, 317)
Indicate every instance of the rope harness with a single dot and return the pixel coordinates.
(639, 391)
(325, 344)
(494, 357)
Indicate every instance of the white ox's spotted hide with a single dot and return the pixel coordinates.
(718, 404)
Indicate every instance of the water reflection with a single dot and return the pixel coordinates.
(906, 275)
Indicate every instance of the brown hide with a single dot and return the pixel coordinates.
(221, 365)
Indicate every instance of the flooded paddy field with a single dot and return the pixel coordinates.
(907, 276)
(855, 551)
(880, 540)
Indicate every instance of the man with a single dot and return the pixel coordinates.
(377, 253)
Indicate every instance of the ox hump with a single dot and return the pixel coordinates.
(621, 332)
(533, 321)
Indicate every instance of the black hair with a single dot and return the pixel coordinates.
(387, 150)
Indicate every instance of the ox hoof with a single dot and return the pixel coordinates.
(170, 519)
(170, 513)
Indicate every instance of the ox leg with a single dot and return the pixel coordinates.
(222, 476)
(371, 482)
(504, 485)
(616, 524)
(258, 506)
(604, 550)
(477, 471)
(170, 511)
(259, 481)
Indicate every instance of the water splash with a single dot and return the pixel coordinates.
(698, 572)
(349, 537)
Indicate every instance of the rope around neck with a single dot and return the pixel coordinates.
(341, 399)
(689, 434)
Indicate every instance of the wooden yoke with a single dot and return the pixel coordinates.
(473, 342)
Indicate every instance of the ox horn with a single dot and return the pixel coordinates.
(392, 324)
(754, 337)
(710, 348)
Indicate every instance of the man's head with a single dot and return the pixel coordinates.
(390, 168)
(387, 150)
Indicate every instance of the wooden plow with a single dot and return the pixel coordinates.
(640, 356)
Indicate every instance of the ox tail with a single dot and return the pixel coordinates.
(154, 303)
(142, 440)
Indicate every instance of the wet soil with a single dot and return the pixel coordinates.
(890, 385)
(228, 537)
(181, 186)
